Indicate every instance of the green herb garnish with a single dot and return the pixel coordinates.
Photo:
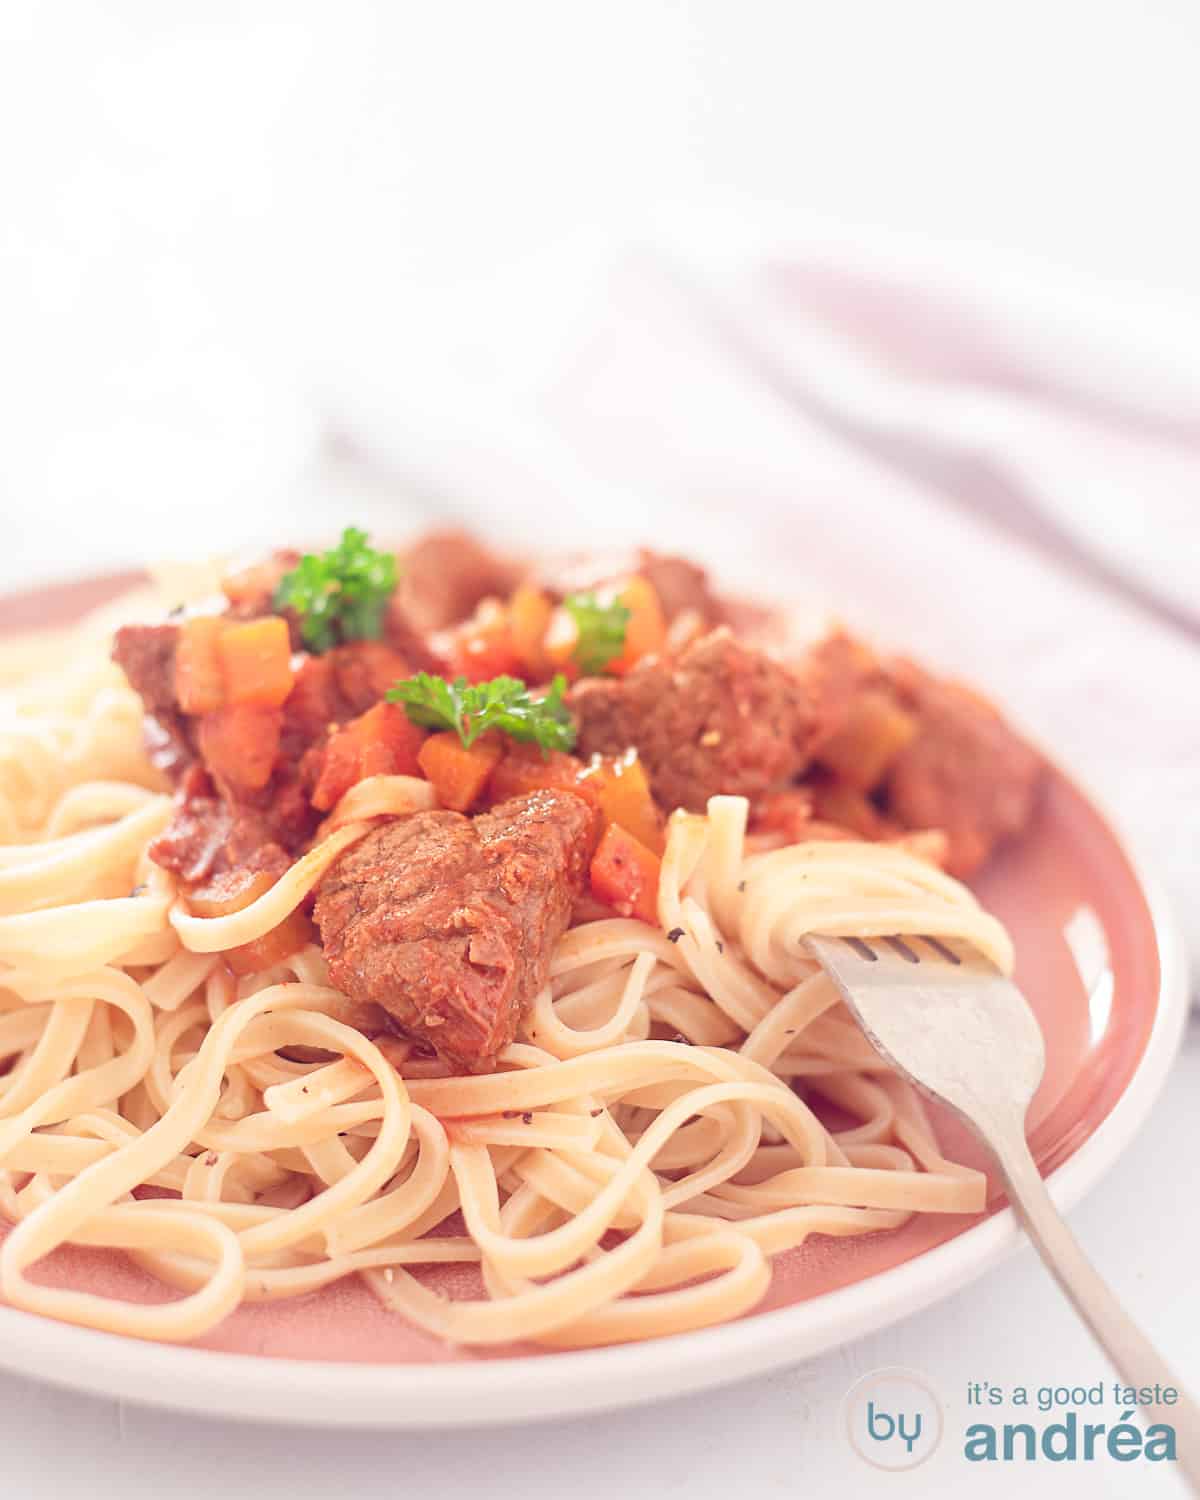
(471, 709)
(340, 595)
(600, 631)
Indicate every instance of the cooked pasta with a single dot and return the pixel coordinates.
(650, 1138)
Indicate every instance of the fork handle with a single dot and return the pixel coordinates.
(1136, 1359)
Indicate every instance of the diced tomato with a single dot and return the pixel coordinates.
(256, 661)
(619, 785)
(645, 630)
(292, 934)
(381, 742)
(240, 743)
(483, 655)
(483, 647)
(458, 773)
(525, 769)
(615, 784)
(345, 760)
(529, 612)
(625, 875)
(402, 737)
(199, 679)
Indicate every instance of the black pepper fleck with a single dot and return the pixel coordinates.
(674, 935)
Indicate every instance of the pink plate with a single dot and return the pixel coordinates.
(1099, 965)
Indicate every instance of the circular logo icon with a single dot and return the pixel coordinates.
(893, 1418)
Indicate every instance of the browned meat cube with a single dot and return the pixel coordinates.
(146, 654)
(681, 586)
(718, 718)
(965, 771)
(443, 576)
(448, 922)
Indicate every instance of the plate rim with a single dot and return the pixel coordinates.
(528, 1388)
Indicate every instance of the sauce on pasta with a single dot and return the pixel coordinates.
(384, 911)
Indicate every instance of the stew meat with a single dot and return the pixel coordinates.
(964, 771)
(720, 717)
(448, 922)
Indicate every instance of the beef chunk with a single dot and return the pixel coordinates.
(443, 576)
(837, 670)
(681, 586)
(718, 718)
(332, 689)
(146, 654)
(209, 836)
(448, 922)
(964, 772)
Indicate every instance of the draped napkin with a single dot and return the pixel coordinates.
(1007, 487)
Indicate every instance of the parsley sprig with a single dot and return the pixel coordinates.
(339, 595)
(600, 631)
(471, 709)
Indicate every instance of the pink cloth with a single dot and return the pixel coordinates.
(1014, 500)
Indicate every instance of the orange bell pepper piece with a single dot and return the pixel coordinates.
(619, 785)
(459, 773)
(645, 630)
(381, 742)
(199, 679)
(256, 661)
(529, 612)
(525, 769)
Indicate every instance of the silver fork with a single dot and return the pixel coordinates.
(946, 1018)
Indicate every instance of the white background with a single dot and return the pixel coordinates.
(223, 223)
(224, 227)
